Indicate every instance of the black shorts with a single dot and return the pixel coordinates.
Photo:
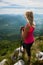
(28, 48)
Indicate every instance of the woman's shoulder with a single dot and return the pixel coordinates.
(33, 26)
(27, 25)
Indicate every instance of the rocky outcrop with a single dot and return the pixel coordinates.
(17, 53)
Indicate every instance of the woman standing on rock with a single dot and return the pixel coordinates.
(27, 34)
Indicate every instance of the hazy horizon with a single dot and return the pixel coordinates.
(20, 6)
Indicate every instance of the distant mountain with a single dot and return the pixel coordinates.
(39, 24)
(10, 25)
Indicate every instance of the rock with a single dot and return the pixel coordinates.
(3, 62)
(39, 55)
(17, 53)
(19, 49)
(20, 62)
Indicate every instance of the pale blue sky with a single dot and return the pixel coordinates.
(20, 6)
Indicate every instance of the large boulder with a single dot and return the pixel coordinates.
(17, 54)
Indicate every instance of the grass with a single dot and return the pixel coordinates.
(7, 48)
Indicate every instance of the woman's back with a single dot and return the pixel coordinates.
(30, 37)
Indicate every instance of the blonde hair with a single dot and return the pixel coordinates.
(29, 16)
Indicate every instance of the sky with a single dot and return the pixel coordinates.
(20, 6)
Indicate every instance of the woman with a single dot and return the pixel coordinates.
(27, 34)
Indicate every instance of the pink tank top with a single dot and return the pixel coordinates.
(30, 37)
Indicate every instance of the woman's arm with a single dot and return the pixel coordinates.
(34, 25)
(25, 32)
